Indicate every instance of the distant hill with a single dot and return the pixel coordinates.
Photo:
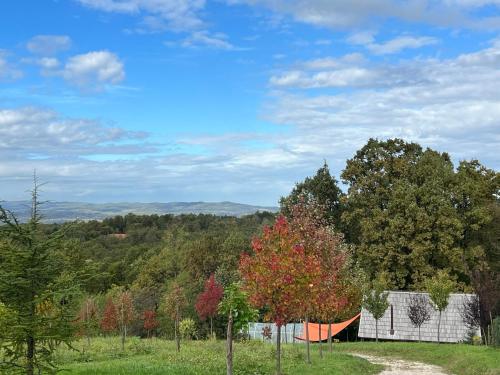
(67, 211)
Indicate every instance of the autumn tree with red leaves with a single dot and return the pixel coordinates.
(109, 321)
(277, 277)
(208, 301)
(327, 294)
(150, 321)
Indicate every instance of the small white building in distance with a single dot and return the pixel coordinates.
(395, 324)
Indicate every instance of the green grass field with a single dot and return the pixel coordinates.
(253, 358)
(154, 357)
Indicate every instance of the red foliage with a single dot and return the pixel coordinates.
(298, 267)
(109, 321)
(208, 300)
(328, 294)
(279, 274)
(150, 321)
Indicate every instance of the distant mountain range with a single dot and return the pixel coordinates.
(67, 211)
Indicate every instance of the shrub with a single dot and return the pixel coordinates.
(187, 328)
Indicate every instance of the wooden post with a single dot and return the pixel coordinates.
(278, 350)
(308, 349)
(320, 341)
(330, 339)
(229, 345)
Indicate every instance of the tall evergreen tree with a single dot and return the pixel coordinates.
(36, 291)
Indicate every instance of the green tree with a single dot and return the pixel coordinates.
(439, 288)
(6, 320)
(323, 187)
(239, 313)
(401, 214)
(375, 301)
(36, 291)
(476, 196)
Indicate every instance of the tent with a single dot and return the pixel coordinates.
(335, 328)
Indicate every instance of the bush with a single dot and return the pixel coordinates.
(476, 340)
(187, 328)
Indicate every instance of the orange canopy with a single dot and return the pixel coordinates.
(314, 329)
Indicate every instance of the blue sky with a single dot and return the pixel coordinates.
(169, 100)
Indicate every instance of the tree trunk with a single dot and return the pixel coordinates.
(485, 338)
(124, 335)
(330, 339)
(229, 345)
(439, 327)
(418, 333)
(376, 330)
(293, 333)
(278, 350)
(177, 333)
(177, 336)
(122, 326)
(308, 349)
(88, 323)
(320, 341)
(30, 355)
(211, 328)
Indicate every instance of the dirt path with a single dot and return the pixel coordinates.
(402, 367)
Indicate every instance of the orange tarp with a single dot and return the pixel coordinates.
(314, 329)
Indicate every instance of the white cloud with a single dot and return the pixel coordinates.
(205, 39)
(47, 45)
(7, 70)
(48, 62)
(38, 131)
(361, 37)
(334, 78)
(94, 70)
(398, 44)
(157, 15)
(329, 62)
(448, 104)
(355, 13)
